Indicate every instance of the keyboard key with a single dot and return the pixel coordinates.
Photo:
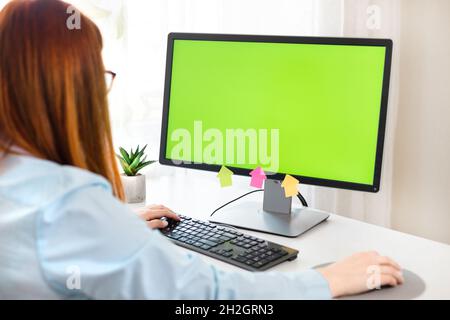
(264, 261)
(240, 259)
(258, 264)
(215, 239)
(229, 235)
(209, 243)
(272, 258)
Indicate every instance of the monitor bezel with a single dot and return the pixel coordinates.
(387, 43)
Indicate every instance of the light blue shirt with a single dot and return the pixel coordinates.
(63, 235)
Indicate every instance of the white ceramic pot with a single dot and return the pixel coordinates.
(134, 188)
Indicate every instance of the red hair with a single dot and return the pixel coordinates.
(53, 95)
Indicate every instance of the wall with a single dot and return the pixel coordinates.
(421, 182)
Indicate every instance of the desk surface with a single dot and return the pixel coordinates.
(197, 194)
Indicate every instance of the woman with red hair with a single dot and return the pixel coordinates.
(64, 230)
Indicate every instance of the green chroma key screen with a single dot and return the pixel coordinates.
(322, 99)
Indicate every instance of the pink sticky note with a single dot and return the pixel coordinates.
(258, 177)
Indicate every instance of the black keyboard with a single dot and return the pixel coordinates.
(227, 244)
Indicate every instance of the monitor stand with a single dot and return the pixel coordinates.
(276, 215)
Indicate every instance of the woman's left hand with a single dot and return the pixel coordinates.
(152, 215)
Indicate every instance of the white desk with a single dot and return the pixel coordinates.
(197, 194)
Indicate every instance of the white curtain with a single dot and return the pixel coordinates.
(376, 19)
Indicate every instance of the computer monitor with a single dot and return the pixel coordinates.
(310, 107)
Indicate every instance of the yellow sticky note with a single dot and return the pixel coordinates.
(224, 176)
(290, 186)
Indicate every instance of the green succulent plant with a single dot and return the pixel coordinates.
(133, 162)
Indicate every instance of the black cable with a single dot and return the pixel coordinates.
(299, 196)
(244, 195)
(302, 199)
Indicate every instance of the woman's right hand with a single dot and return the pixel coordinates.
(153, 214)
(360, 273)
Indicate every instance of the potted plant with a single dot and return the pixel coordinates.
(133, 182)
